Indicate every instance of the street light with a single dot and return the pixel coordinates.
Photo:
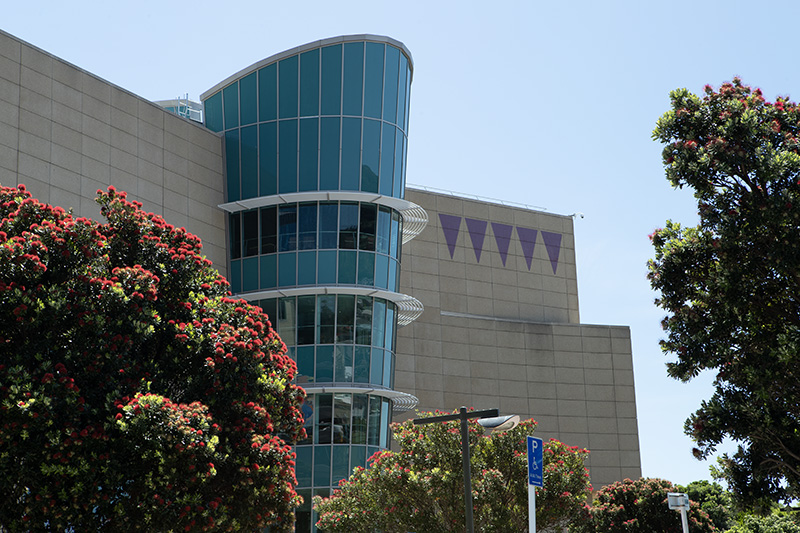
(488, 418)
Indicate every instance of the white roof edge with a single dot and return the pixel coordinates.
(310, 46)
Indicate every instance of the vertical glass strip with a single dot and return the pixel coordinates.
(307, 226)
(366, 268)
(378, 322)
(324, 365)
(326, 318)
(269, 230)
(268, 93)
(303, 469)
(332, 80)
(348, 226)
(250, 232)
(248, 103)
(353, 81)
(361, 364)
(287, 320)
(235, 228)
(212, 112)
(287, 227)
(268, 158)
(382, 271)
(387, 159)
(305, 374)
(341, 461)
(341, 418)
(390, 84)
(307, 268)
(328, 225)
(373, 431)
(235, 276)
(309, 154)
(230, 97)
(250, 274)
(351, 153)
(309, 83)
(324, 418)
(249, 162)
(343, 365)
(384, 440)
(391, 321)
(360, 417)
(322, 463)
(401, 97)
(326, 271)
(373, 80)
(329, 154)
(287, 272)
(287, 160)
(364, 321)
(306, 314)
(370, 146)
(382, 239)
(397, 184)
(366, 227)
(269, 272)
(232, 165)
(287, 83)
(345, 318)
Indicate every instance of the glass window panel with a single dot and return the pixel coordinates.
(366, 234)
(235, 229)
(322, 465)
(324, 364)
(250, 274)
(341, 463)
(307, 227)
(326, 318)
(343, 364)
(341, 418)
(387, 159)
(307, 268)
(232, 164)
(387, 369)
(348, 226)
(374, 429)
(287, 269)
(268, 160)
(248, 107)
(373, 80)
(324, 418)
(270, 309)
(268, 93)
(308, 154)
(345, 316)
(287, 159)
(250, 232)
(328, 225)
(360, 414)
(212, 111)
(384, 442)
(269, 230)
(366, 268)
(364, 320)
(392, 284)
(347, 268)
(304, 515)
(384, 227)
(391, 322)
(390, 84)
(287, 319)
(397, 183)
(408, 98)
(305, 374)
(287, 82)
(249, 162)
(370, 155)
(353, 78)
(378, 322)
(403, 95)
(358, 457)
(351, 153)
(361, 364)
(393, 248)
(329, 154)
(303, 467)
(332, 80)
(306, 312)
(236, 276)
(287, 227)
(230, 97)
(269, 271)
(382, 271)
(376, 366)
(309, 83)
(326, 273)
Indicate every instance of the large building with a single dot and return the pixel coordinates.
(388, 298)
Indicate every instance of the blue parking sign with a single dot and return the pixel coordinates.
(535, 462)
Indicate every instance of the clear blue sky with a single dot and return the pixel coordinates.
(546, 103)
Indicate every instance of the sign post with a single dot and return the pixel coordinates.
(680, 502)
(535, 478)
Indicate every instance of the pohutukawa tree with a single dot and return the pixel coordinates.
(731, 285)
(135, 394)
(421, 487)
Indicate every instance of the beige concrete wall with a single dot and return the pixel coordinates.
(66, 133)
(521, 348)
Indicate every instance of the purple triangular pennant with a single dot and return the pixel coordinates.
(527, 239)
(552, 241)
(451, 225)
(477, 232)
(502, 236)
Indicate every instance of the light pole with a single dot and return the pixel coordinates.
(488, 418)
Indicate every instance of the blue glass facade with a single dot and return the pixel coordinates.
(315, 149)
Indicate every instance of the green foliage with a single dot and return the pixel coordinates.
(135, 394)
(639, 506)
(420, 488)
(730, 286)
(775, 523)
(713, 500)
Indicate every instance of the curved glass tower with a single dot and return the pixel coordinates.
(315, 151)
